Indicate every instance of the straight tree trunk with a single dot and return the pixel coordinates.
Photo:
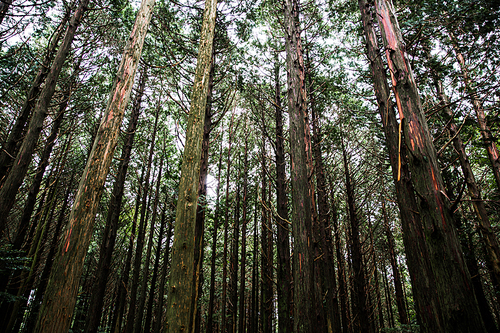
(398, 286)
(152, 289)
(233, 289)
(226, 229)
(23, 159)
(131, 316)
(241, 318)
(361, 315)
(182, 302)
(459, 305)
(487, 234)
(326, 258)
(342, 293)
(211, 301)
(304, 300)
(202, 192)
(145, 271)
(427, 302)
(113, 218)
(40, 291)
(58, 305)
(161, 292)
(44, 161)
(253, 325)
(10, 148)
(266, 295)
(122, 289)
(285, 322)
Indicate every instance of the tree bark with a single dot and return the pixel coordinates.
(488, 139)
(23, 159)
(285, 321)
(10, 148)
(211, 301)
(113, 217)
(459, 305)
(403, 315)
(226, 229)
(428, 305)
(131, 316)
(361, 315)
(304, 300)
(182, 303)
(241, 318)
(59, 302)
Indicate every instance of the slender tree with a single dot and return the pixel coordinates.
(59, 301)
(182, 302)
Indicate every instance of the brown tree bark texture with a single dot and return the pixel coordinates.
(59, 301)
(454, 288)
(181, 310)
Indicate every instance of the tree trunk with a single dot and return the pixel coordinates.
(122, 289)
(182, 303)
(361, 315)
(10, 148)
(226, 229)
(161, 291)
(487, 234)
(113, 217)
(326, 259)
(152, 289)
(403, 315)
(131, 316)
(428, 304)
(233, 282)
(202, 192)
(267, 256)
(342, 294)
(211, 301)
(285, 322)
(139, 327)
(488, 139)
(35, 306)
(241, 327)
(304, 301)
(20, 167)
(454, 288)
(58, 305)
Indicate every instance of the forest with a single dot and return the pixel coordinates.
(263, 166)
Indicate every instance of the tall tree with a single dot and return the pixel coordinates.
(460, 309)
(59, 301)
(23, 159)
(182, 302)
(304, 301)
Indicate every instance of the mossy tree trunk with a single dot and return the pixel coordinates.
(182, 300)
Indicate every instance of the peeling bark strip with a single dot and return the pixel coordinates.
(453, 284)
(182, 301)
(427, 303)
(60, 298)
